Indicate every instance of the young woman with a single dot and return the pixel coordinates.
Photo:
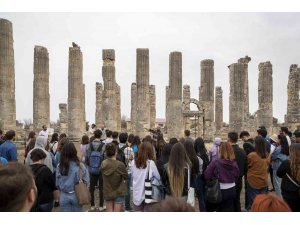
(140, 168)
(280, 154)
(84, 144)
(175, 175)
(289, 171)
(44, 182)
(214, 151)
(227, 171)
(67, 176)
(159, 146)
(29, 142)
(114, 175)
(257, 174)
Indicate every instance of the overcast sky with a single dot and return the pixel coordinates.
(223, 37)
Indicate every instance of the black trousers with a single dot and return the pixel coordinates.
(94, 179)
(238, 188)
(227, 204)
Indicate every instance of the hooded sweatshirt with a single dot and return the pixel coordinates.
(214, 151)
(114, 175)
(40, 143)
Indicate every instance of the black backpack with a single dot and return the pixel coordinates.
(205, 159)
(121, 154)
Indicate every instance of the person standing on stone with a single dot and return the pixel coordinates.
(280, 154)
(241, 159)
(187, 134)
(44, 132)
(8, 149)
(248, 145)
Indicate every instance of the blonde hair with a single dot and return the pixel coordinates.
(226, 151)
(295, 161)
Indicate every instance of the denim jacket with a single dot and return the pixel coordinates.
(67, 183)
(277, 157)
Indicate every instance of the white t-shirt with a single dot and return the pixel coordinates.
(44, 133)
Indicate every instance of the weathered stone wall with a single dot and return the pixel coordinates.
(265, 96)
(98, 114)
(133, 106)
(219, 109)
(118, 107)
(152, 106)
(7, 77)
(41, 96)
(75, 93)
(186, 96)
(175, 119)
(63, 118)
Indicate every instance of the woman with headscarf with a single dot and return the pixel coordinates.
(40, 143)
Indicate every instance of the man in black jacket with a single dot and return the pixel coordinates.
(248, 145)
(241, 159)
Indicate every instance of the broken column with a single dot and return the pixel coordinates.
(186, 95)
(41, 96)
(63, 118)
(207, 88)
(118, 107)
(175, 123)
(292, 118)
(99, 115)
(152, 106)
(167, 108)
(133, 107)
(219, 109)
(75, 93)
(7, 77)
(265, 96)
(245, 61)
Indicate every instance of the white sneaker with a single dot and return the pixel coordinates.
(102, 208)
(92, 208)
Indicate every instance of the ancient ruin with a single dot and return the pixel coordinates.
(133, 107)
(152, 105)
(99, 112)
(63, 118)
(219, 109)
(41, 95)
(76, 112)
(7, 77)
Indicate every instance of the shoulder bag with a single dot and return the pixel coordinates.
(81, 190)
(191, 190)
(294, 182)
(213, 191)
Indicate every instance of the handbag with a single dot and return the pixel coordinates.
(153, 188)
(191, 190)
(294, 182)
(213, 191)
(81, 190)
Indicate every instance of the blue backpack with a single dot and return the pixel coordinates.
(95, 159)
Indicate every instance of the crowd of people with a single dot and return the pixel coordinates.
(147, 174)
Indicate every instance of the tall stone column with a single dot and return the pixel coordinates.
(219, 109)
(265, 95)
(41, 96)
(7, 77)
(118, 107)
(167, 108)
(186, 95)
(245, 61)
(75, 93)
(152, 106)
(142, 88)
(292, 118)
(109, 92)
(83, 107)
(63, 118)
(133, 107)
(99, 115)
(175, 123)
(207, 88)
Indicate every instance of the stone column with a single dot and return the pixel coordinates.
(118, 107)
(41, 96)
(75, 93)
(245, 61)
(219, 109)
(152, 106)
(292, 118)
(142, 88)
(175, 123)
(7, 77)
(98, 114)
(133, 107)
(63, 118)
(265, 96)
(167, 108)
(186, 95)
(109, 92)
(83, 107)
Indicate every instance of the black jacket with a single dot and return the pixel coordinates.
(248, 146)
(241, 159)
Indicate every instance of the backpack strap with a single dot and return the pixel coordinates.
(292, 180)
(38, 171)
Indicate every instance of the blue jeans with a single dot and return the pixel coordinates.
(69, 202)
(200, 190)
(47, 207)
(252, 192)
(127, 197)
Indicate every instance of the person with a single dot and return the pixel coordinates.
(114, 175)
(142, 167)
(41, 143)
(285, 132)
(171, 204)
(44, 181)
(280, 154)
(269, 203)
(60, 146)
(96, 150)
(44, 132)
(67, 177)
(241, 159)
(1, 137)
(28, 147)
(135, 144)
(8, 149)
(149, 139)
(257, 171)
(103, 130)
(83, 146)
(115, 137)
(264, 133)
(53, 150)
(163, 159)
(248, 145)
(129, 156)
(175, 176)
(187, 134)
(61, 136)
(92, 129)
(159, 145)
(214, 151)
(108, 137)
(226, 170)
(17, 190)
(289, 171)
(297, 136)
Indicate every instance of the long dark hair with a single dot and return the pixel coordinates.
(260, 147)
(54, 138)
(31, 135)
(285, 149)
(145, 152)
(68, 154)
(201, 151)
(189, 148)
(295, 161)
(166, 153)
(160, 143)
